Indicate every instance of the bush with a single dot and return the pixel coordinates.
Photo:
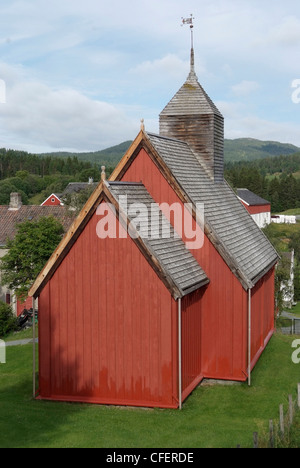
(8, 321)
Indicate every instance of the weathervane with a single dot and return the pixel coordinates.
(190, 22)
(192, 75)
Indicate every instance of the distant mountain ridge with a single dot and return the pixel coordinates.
(241, 149)
(250, 149)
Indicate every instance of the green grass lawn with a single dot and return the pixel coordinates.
(292, 211)
(213, 416)
(296, 309)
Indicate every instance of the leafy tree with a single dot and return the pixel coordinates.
(27, 254)
(6, 188)
(76, 201)
(94, 173)
(294, 244)
(282, 273)
(8, 321)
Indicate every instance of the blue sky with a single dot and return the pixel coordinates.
(80, 75)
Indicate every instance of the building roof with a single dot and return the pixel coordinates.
(163, 243)
(76, 187)
(191, 98)
(9, 219)
(228, 225)
(250, 198)
(243, 241)
(170, 258)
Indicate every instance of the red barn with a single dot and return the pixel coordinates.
(142, 319)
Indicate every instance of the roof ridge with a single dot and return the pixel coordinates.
(163, 137)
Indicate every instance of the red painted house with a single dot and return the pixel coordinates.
(142, 319)
(52, 200)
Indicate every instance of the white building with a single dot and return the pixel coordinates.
(259, 209)
(283, 219)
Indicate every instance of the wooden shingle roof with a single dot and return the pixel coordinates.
(191, 99)
(177, 262)
(232, 227)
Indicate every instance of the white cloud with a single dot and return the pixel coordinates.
(81, 74)
(37, 115)
(244, 88)
(286, 33)
(254, 127)
(169, 65)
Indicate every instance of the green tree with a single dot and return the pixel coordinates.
(27, 254)
(6, 188)
(8, 321)
(282, 271)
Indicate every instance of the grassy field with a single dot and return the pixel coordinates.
(213, 416)
(296, 310)
(292, 211)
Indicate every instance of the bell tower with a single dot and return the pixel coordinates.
(191, 116)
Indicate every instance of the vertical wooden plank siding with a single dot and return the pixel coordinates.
(223, 307)
(107, 335)
(191, 342)
(45, 379)
(263, 310)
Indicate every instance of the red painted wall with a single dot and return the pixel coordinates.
(257, 209)
(222, 332)
(27, 304)
(106, 336)
(49, 201)
(108, 327)
(262, 310)
(191, 341)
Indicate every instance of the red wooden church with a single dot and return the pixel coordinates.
(141, 320)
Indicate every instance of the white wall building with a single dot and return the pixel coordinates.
(259, 209)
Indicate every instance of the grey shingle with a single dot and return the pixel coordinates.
(175, 259)
(244, 242)
(251, 198)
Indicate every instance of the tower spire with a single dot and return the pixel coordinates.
(192, 75)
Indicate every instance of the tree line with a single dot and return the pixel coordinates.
(12, 161)
(39, 177)
(271, 179)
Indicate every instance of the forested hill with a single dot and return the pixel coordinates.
(241, 149)
(271, 170)
(110, 156)
(249, 149)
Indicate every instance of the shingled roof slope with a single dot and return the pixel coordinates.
(191, 99)
(9, 219)
(249, 248)
(175, 259)
(251, 198)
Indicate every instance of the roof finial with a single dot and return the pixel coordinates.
(143, 125)
(192, 75)
(103, 173)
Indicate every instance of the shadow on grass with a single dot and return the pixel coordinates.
(25, 421)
